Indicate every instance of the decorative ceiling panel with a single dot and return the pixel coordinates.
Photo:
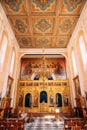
(66, 25)
(43, 23)
(41, 42)
(62, 41)
(43, 6)
(20, 25)
(24, 41)
(14, 6)
(72, 6)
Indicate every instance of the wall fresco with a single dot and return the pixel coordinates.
(36, 68)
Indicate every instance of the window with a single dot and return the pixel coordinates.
(12, 62)
(1, 19)
(3, 51)
(74, 63)
(83, 51)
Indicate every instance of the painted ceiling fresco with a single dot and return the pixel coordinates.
(43, 23)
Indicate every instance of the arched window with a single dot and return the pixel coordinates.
(83, 51)
(0, 20)
(3, 51)
(12, 62)
(74, 63)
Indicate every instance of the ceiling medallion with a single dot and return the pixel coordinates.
(42, 41)
(72, 4)
(19, 25)
(25, 41)
(43, 25)
(43, 4)
(66, 25)
(13, 4)
(61, 41)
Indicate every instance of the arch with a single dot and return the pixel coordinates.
(28, 99)
(43, 96)
(58, 100)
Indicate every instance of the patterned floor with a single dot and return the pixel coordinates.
(44, 123)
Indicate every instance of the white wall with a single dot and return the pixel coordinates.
(80, 29)
(5, 29)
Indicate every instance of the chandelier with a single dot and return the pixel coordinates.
(42, 70)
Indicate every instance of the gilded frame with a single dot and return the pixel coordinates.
(77, 86)
(9, 86)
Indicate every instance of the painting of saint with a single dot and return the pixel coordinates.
(35, 100)
(51, 100)
(77, 86)
(9, 86)
(20, 102)
(65, 100)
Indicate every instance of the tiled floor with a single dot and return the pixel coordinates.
(45, 123)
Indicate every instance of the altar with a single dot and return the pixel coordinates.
(32, 96)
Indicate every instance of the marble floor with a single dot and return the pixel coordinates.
(45, 123)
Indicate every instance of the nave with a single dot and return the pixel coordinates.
(45, 123)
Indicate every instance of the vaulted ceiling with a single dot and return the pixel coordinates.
(43, 23)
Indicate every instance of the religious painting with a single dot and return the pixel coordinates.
(65, 100)
(9, 86)
(77, 86)
(36, 68)
(35, 101)
(51, 101)
(20, 100)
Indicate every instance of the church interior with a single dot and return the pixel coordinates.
(43, 64)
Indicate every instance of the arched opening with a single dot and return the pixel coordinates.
(59, 100)
(28, 98)
(43, 97)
